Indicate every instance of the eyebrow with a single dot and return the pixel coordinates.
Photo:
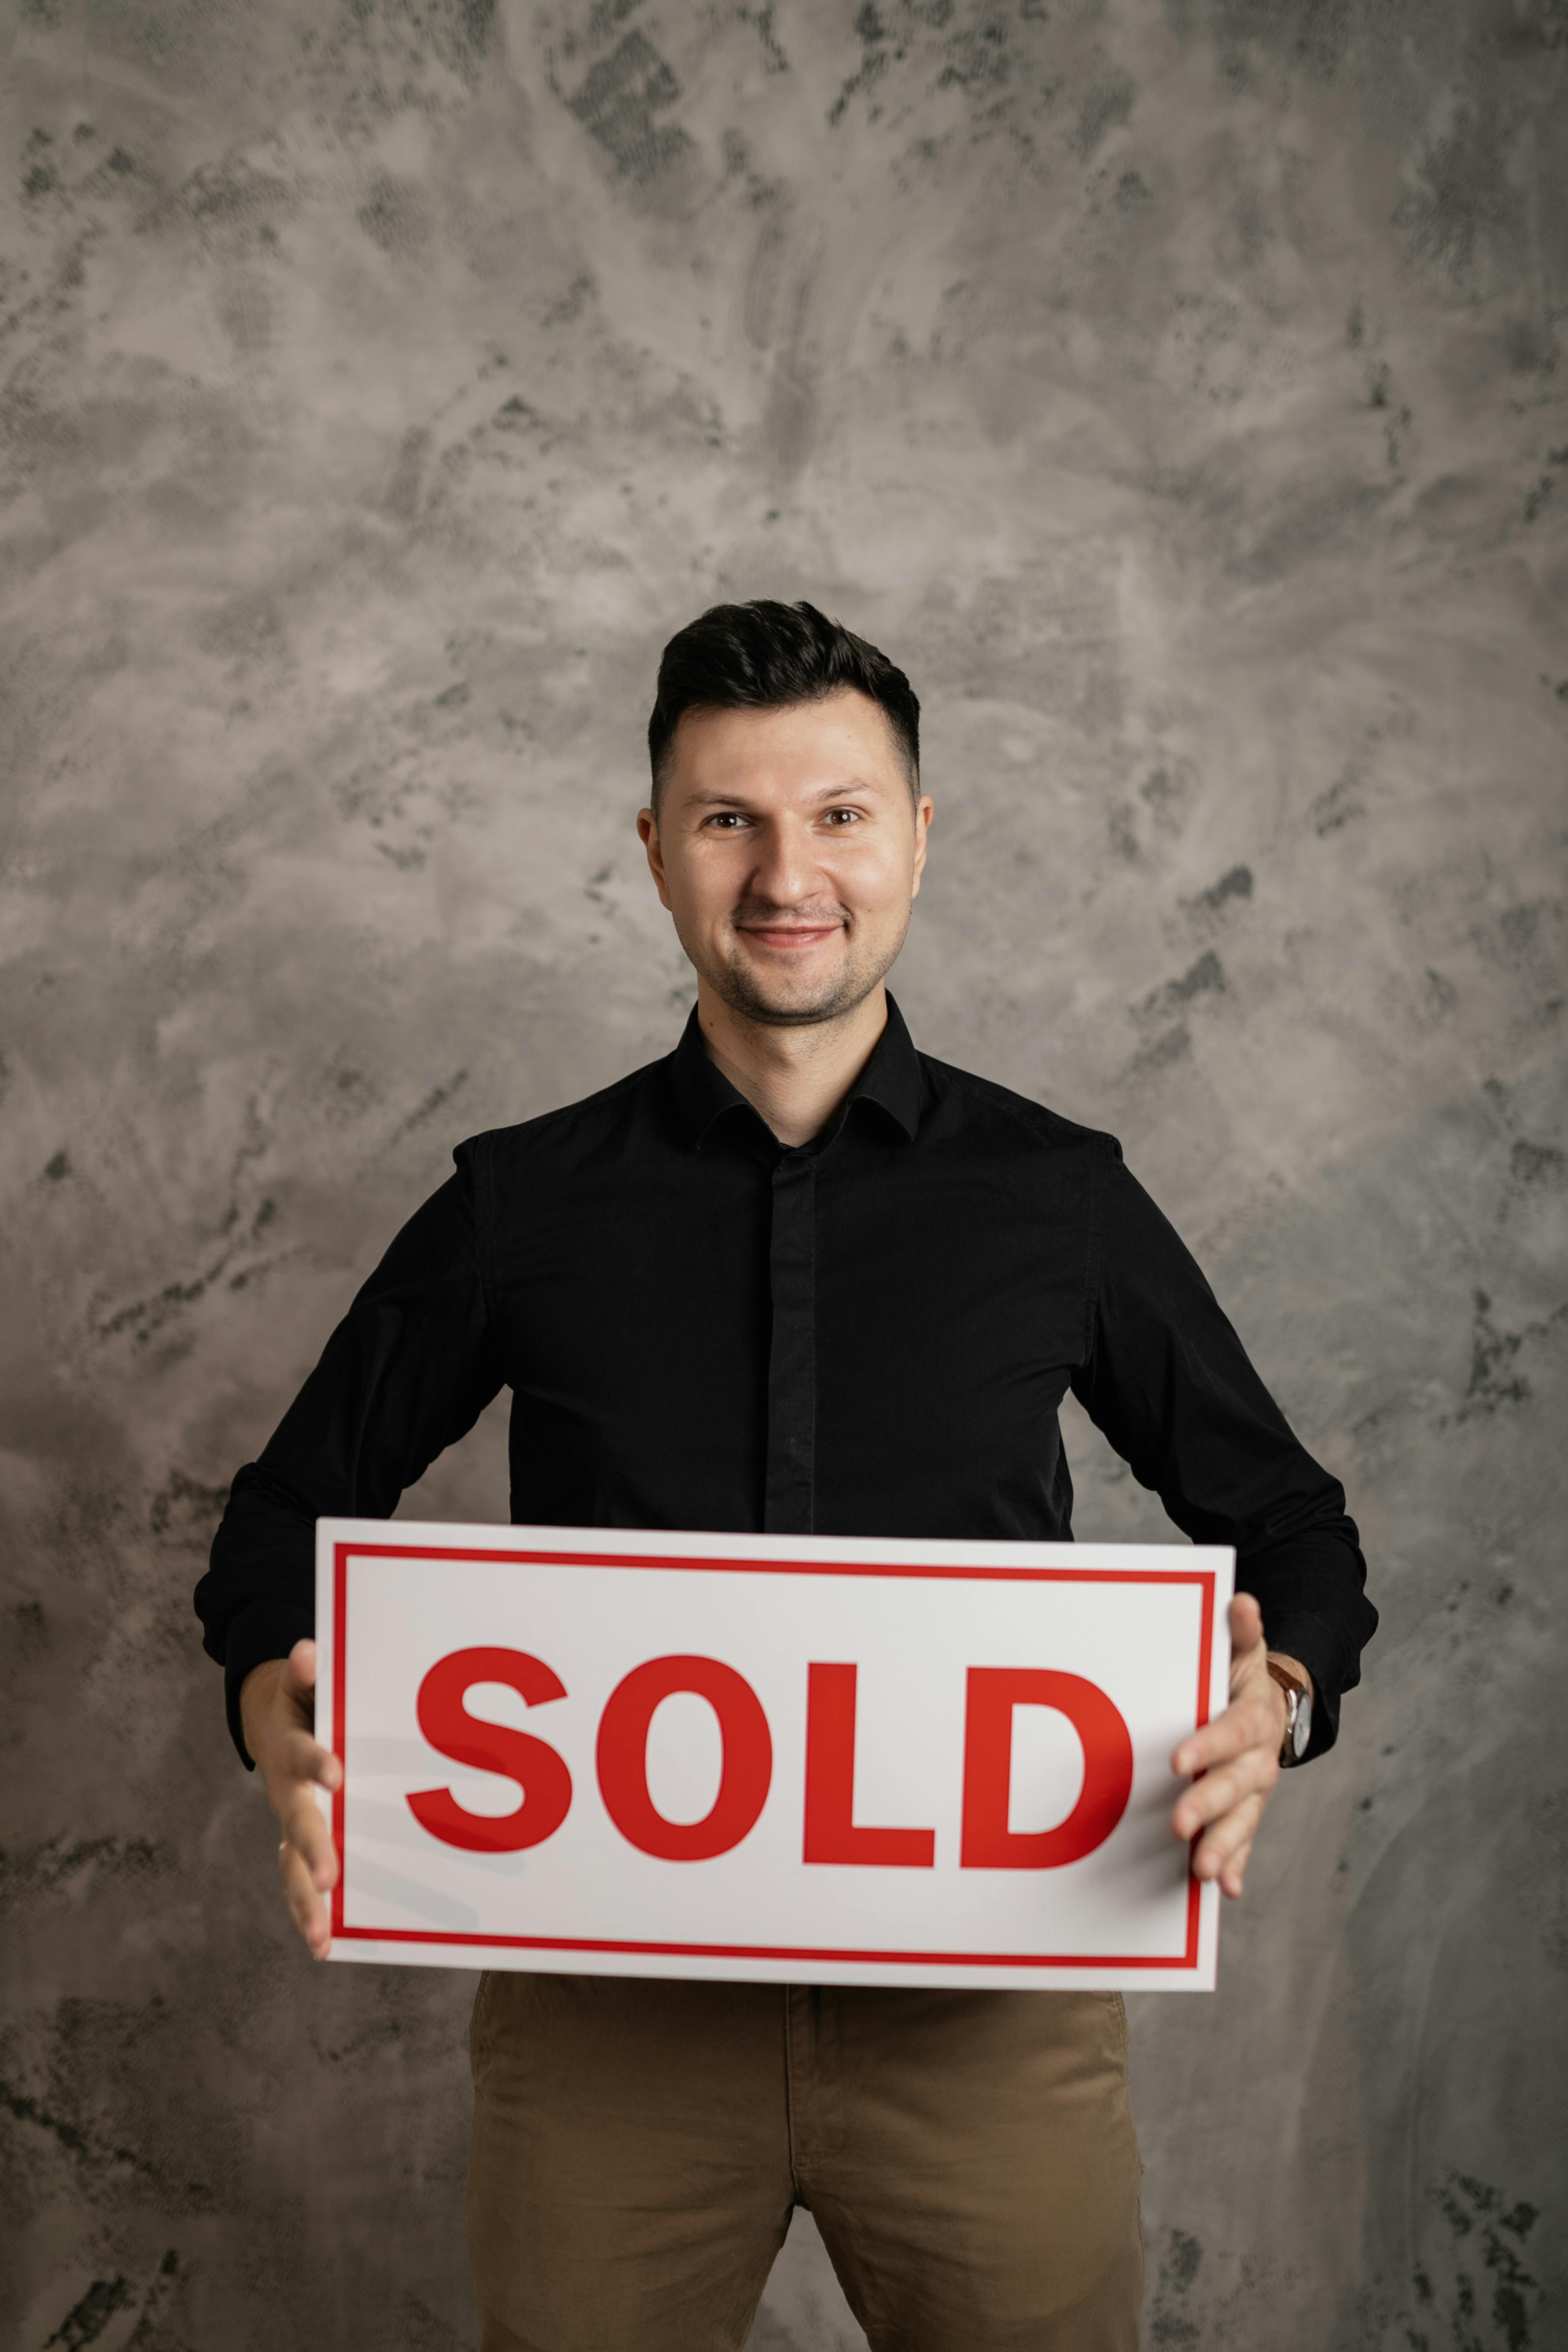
(738, 800)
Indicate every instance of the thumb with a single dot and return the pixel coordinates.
(1246, 1626)
(300, 1678)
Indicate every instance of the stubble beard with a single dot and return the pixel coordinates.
(739, 988)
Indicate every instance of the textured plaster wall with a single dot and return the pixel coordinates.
(1181, 393)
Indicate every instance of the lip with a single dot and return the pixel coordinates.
(789, 938)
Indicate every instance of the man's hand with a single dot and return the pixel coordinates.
(1238, 1755)
(277, 1709)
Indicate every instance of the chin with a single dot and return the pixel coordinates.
(787, 1000)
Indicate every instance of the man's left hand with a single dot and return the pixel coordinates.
(1238, 1755)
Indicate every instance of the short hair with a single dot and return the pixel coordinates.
(769, 656)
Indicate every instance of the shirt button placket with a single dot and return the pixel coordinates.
(789, 1498)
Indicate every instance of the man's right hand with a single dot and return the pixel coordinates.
(277, 1711)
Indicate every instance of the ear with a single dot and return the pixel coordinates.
(647, 834)
(925, 812)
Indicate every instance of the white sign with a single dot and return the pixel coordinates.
(786, 1757)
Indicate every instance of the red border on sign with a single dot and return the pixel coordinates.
(1202, 1578)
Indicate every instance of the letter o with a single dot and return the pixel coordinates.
(622, 1758)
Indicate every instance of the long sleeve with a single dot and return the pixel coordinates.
(408, 1371)
(1168, 1381)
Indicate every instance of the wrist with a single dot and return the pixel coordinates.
(1294, 1685)
(1296, 1670)
(255, 1695)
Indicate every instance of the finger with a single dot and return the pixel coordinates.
(299, 1765)
(1210, 1797)
(1224, 1838)
(300, 1757)
(306, 1907)
(1234, 1871)
(1249, 1722)
(308, 1835)
(1213, 1795)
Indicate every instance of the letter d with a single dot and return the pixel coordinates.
(993, 1691)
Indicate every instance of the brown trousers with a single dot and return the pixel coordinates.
(968, 2158)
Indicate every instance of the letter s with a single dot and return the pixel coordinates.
(539, 1771)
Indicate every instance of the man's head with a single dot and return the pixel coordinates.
(787, 830)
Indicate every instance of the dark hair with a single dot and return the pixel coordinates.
(767, 656)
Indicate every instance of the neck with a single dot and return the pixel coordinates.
(794, 1078)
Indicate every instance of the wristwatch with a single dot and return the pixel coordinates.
(1297, 1716)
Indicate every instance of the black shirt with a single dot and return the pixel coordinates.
(866, 1335)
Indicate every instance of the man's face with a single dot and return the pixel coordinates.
(788, 847)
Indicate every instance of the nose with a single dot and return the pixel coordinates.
(785, 869)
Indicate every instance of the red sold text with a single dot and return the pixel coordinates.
(832, 1833)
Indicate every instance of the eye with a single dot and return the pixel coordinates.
(840, 818)
(725, 820)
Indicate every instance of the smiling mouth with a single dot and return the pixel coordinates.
(789, 936)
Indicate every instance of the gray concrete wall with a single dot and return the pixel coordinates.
(1181, 393)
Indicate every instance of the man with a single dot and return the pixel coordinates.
(796, 1277)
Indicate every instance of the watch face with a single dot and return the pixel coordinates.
(1301, 1728)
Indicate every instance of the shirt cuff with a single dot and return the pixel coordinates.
(1320, 1650)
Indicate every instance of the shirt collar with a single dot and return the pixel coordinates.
(890, 1079)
